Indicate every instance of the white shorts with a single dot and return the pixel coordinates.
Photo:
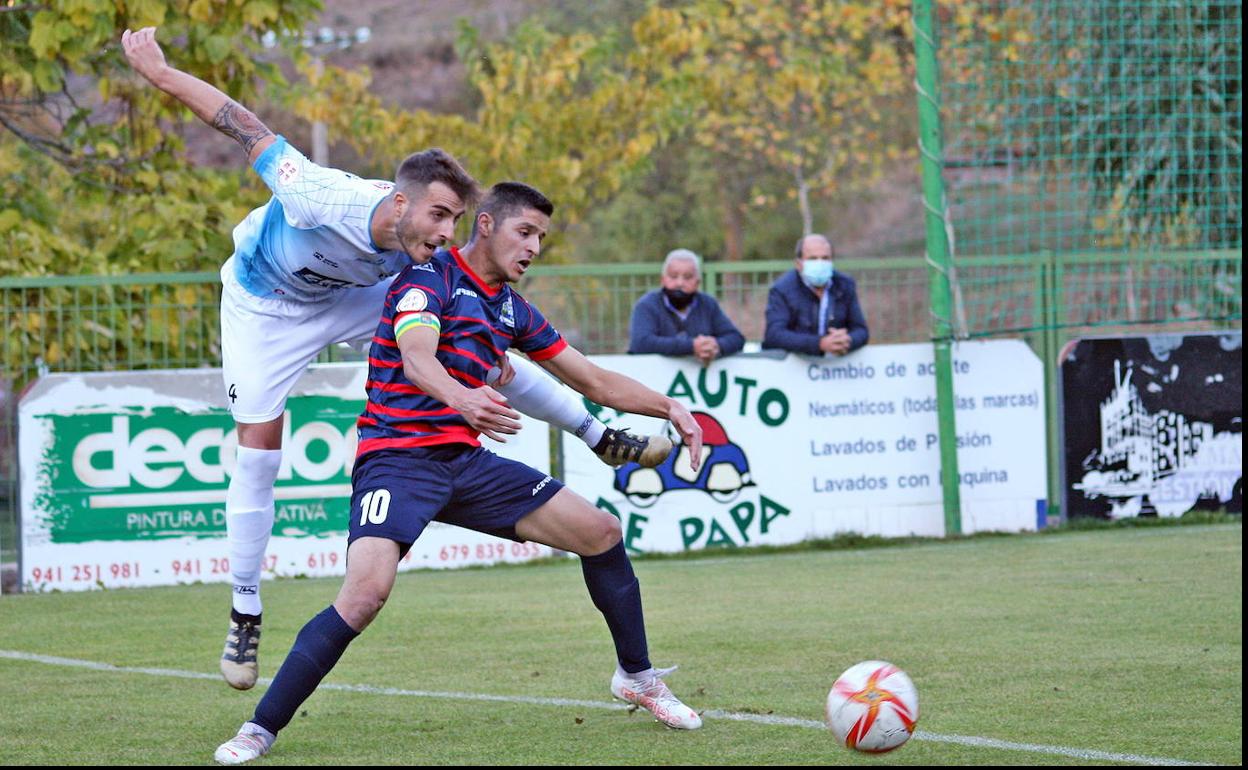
(268, 342)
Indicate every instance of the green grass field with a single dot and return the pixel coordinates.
(1053, 649)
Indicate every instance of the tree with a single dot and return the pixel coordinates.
(112, 192)
(93, 179)
(809, 88)
(570, 114)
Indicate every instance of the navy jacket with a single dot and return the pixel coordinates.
(655, 328)
(793, 314)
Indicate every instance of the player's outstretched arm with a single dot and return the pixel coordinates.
(207, 102)
(484, 408)
(620, 392)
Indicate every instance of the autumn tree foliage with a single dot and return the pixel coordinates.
(806, 88)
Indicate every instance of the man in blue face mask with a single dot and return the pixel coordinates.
(679, 320)
(814, 309)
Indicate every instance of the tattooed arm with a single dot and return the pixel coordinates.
(207, 102)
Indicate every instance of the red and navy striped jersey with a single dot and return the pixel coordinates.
(478, 325)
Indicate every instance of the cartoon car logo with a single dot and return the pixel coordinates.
(724, 473)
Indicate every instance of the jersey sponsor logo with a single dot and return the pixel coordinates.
(322, 258)
(413, 301)
(465, 292)
(324, 281)
(508, 314)
(287, 172)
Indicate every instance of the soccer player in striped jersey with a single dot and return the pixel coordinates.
(419, 458)
(310, 269)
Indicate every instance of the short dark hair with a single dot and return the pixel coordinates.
(421, 169)
(506, 199)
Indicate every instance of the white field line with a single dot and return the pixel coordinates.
(765, 719)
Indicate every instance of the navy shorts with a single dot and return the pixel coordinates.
(395, 493)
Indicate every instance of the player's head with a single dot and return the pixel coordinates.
(510, 225)
(682, 274)
(814, 259)
(431, 193)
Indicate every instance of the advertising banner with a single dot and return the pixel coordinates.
(1152, 426)
(801, 447)
(124, 475)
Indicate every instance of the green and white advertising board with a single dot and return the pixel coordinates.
(123, 481)
(124, 474)
(800, 447)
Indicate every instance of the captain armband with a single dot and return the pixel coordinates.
(409, 321)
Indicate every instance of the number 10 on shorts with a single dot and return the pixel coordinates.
(374, 506)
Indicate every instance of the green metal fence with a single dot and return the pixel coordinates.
(103, 323)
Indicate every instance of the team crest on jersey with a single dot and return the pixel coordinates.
(287, 172)
(508, 314)
(413, 301)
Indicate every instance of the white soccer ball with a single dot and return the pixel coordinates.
(873, 707)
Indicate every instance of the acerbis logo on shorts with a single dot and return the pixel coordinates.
(540, 486)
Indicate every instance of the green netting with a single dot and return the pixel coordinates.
(1093, 148)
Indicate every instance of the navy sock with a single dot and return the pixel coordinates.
(318, 647)
(617, 595)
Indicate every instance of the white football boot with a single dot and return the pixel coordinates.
(243, 747)
(650, 692)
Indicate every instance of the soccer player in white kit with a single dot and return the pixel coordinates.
(312, 268)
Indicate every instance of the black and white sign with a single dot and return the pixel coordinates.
(1153, 426)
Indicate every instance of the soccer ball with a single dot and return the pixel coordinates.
(873, 707)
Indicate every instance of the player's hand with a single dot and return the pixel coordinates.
(689, 430)
(486, 410)
(506, 373)
(144, 54)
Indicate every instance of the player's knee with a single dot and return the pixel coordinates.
(251, 481)
(360, 611)
(605, 534)
(256, 468)
(361, 605)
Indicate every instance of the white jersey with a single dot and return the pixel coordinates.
(312, 239)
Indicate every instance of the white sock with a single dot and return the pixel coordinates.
(251, 728)
(249, 522)
(544, 398)
(637, 677)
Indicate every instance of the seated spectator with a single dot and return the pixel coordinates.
(814, 309)
(679, 320)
